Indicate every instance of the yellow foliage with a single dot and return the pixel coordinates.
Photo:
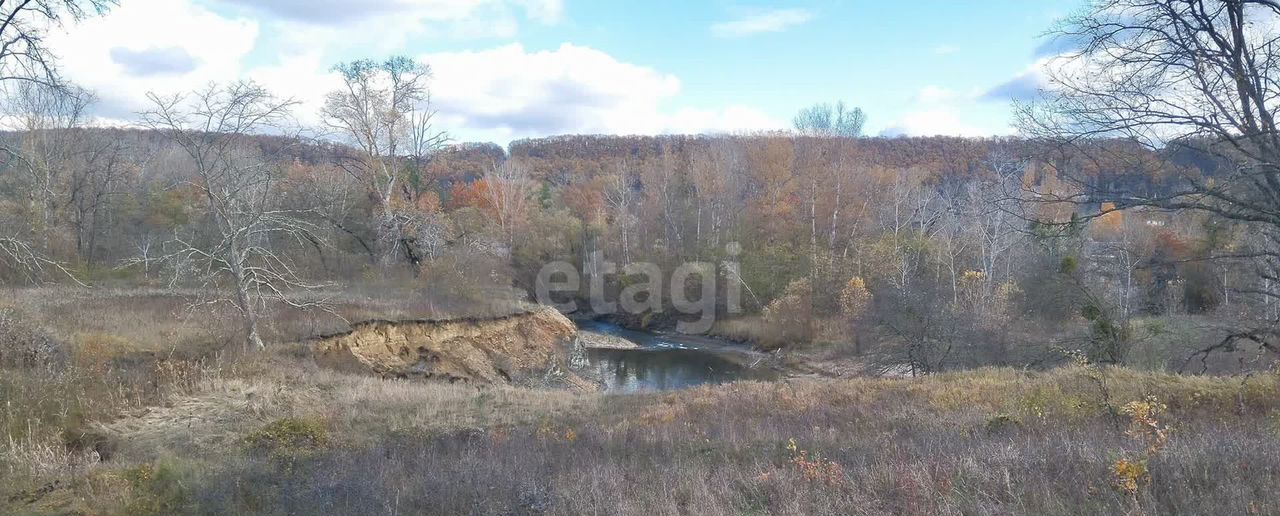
(1144, 424)
(1130, 475)
(855, 297)
(1110, 221)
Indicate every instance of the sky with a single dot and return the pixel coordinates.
(508, 69)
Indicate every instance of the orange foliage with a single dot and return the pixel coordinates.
(1110, 222)
(470, 195)
(1170, 246)
(585, 200)
(771, 163)
(428, 202)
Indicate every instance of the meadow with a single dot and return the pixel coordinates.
(116, 413)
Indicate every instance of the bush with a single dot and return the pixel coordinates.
(792, 312)
(96, 351)
(156, 489)
(23, 345)
(290, 438)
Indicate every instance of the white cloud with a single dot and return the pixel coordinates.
(498, 93)
(933, 122)
(102, 53)
(304, 77)
(945, 50)
(378, 27)
(776, 20)
(508, 92)
(545, 11)
(1024, 86)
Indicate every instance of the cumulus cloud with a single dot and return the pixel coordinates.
(512, 92)
(776, 20)
(570, 89)
(498, 93)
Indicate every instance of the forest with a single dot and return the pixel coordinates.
(929, 253)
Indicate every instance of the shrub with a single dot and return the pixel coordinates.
(156, 489)
(792, 312)
(23, 345)
(96, 351)
(1002, 423)
(290, 438)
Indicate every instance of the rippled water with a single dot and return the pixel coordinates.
(665, 362)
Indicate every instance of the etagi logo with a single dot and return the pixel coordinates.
(639, 297)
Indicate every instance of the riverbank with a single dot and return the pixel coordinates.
(123, 418)
(280, 436)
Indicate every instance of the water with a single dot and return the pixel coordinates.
(666, 362)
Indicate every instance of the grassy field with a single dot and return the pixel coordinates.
(128, 407)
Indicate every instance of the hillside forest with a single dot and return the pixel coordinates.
(922, 254)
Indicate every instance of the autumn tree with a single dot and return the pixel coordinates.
(717, 173)
(46, 118)
(620, 199)
(774, 188)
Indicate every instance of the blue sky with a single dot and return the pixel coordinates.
(506, 69)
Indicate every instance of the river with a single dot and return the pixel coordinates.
(671, 361)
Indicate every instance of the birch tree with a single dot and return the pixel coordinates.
(384, 109)
(508, 196)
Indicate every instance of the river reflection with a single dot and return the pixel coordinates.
(665, 362)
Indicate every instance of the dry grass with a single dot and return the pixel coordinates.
(177, 429)
(359, 409)
(988, 441)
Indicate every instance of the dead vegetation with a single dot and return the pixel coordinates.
(119, 427)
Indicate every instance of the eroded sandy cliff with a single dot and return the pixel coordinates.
(513, 348)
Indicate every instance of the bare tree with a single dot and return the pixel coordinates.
(384, 109)
(1199, 77)
(24, 60)
(23, 55)
(46, 118)
(102, 165)
(27, 262)
(830, 120)
(214, 127)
